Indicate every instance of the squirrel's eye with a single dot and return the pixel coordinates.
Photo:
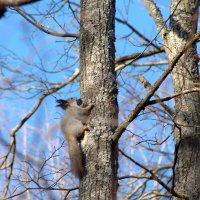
(79, 102)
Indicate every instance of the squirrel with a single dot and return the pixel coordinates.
(73, 125)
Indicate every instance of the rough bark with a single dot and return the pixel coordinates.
(185, 75)
(99, 87)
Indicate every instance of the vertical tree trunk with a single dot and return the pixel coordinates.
(99, 87)
(183, 25)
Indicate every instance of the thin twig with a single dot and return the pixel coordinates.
(42, 28)
(155, 177)
(173, 96)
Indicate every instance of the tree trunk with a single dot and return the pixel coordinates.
(185, 76)
(99, 87)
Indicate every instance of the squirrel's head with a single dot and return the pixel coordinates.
(71, 102)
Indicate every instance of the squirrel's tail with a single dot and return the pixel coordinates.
(75, 157)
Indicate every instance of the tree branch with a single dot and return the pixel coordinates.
(172, 96)
(41, 98)
(137, 33)
(41, 27)
(13, 3)
(136, 56)
(157, 16)
(141, 106)
(155, 177)
(12, 147)
(148, 86)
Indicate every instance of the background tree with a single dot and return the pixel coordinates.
(41, 63)
(185, 75)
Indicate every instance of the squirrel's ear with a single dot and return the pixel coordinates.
(79, 102)
(62, 103)
(2, 11)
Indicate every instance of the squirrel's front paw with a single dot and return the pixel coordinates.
(86, 128)
(90, 107)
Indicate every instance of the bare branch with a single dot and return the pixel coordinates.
(41, 27)
(157, 16)
(41, 98)
(42, 188)
(12, 147)
(138, 33)
(169, 166)
(155, 177)
(148, 86)
(14, 3)
(173, 96)
(136, 56)
(141, 106)
(150, 63)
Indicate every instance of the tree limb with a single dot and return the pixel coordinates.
(160, 100)
(42, 28)
(141, 106)
(157, 16)
(148, 86)
(136, 56)
(155, 177)
(13, 3)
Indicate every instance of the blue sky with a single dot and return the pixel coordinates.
(26, 48)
